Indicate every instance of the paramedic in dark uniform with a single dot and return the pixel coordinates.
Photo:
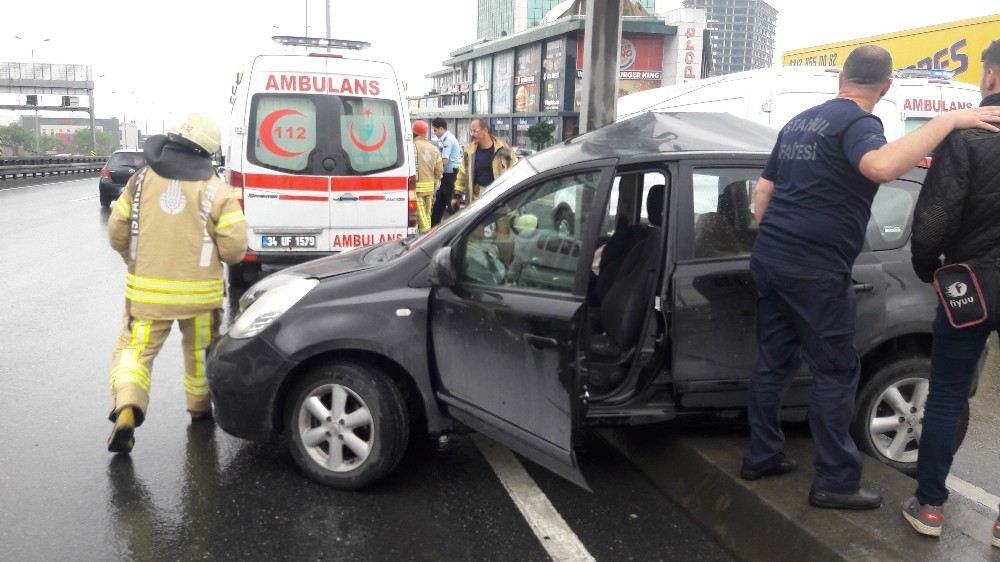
(812, 204)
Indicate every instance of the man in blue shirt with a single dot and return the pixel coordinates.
(451, 152)
(817, 189)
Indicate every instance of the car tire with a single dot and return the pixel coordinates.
(334, 453)
(887, 397)
(106, 201)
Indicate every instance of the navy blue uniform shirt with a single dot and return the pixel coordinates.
(821, 202)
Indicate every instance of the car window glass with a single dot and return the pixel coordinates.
(284, 132)
(368, 131)
(892, 214)
(533, 239)
(723, 212)
(127, 159)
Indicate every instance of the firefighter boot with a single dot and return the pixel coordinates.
(121, 439)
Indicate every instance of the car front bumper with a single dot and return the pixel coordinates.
(244, 377)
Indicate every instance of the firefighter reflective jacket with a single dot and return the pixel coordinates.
(503, 158)
(173, 249)
(430, 167)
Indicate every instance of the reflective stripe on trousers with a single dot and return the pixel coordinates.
(139, 343)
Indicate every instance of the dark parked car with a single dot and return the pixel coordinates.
(116, 172)
(497, 318)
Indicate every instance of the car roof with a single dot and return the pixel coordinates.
(654, 133)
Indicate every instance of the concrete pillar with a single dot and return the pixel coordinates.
(93, 127)
(602, 37)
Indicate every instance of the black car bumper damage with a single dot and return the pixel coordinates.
(243, 378)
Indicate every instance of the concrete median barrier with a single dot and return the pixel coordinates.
(770, 519)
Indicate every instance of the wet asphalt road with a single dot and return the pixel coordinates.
(191, 492)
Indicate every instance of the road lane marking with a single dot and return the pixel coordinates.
(556, 537)
(972, 492)
(84, 198)
(38, 184)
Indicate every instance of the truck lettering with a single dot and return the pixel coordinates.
(943, 58)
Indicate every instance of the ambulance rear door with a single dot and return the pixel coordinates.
(369, 203)
(286, 191)
(920, 100)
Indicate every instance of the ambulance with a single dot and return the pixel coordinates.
(321, 152)
(772, 96)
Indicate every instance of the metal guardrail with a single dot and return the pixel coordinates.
(38, 166)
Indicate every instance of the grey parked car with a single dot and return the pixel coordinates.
(601, 281)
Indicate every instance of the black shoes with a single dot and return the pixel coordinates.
(778, 466)
(862, 499)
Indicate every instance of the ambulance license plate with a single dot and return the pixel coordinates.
(287, 241)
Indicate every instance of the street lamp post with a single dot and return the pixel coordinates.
(38, 128)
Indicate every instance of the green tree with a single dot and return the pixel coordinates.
(541, 133)
(82, 144)
(16, 135)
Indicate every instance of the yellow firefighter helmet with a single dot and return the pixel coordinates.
(198, 130)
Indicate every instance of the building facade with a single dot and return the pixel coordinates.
(63, 128)
(742, 33)
(499, 18)
(537, 75)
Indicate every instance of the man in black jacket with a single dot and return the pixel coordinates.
(957, 215)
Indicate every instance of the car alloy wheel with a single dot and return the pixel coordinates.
(335, 426)
(897, 419)
(347, 424)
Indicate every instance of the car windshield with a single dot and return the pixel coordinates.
(129, 159)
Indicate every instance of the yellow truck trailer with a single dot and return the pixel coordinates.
(955, 46)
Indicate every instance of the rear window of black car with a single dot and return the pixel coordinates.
(129, 159)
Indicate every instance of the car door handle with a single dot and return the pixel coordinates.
(347, 197)
(540, 343)
(863, 287)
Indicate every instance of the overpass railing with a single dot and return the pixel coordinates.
(39, 166)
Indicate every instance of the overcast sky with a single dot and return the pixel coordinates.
(152, 60)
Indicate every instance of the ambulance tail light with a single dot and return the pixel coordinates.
(105, 173)
(411, 202)
(925, 162)
(235, 180)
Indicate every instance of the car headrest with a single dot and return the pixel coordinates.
(654, 204)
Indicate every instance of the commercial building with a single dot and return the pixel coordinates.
(499, 18)
(742, 33)
(63, 128)
(537, 75)
(955, 47)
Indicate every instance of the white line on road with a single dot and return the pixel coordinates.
(556, 537)
(84, 198)
(972, 492)
(38, 185)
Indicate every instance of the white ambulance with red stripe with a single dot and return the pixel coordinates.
(322, 154)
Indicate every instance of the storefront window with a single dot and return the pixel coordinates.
(553, 67)
(503, 74)
(500, 127)
(526, 79)
(522, 124)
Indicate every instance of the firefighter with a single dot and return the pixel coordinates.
(484, 159)
(430, 169)
(174, 223)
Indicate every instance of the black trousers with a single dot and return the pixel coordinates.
(442, 199)
(807, 312)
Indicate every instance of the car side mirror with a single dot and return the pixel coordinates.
(442, 273)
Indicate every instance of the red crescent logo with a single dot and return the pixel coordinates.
(368, 147)
(267, 124)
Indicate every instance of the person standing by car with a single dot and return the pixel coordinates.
(174, 222)
(429, 172)
(451, 152)
(485, 158)
(956, 216)
(813, 202)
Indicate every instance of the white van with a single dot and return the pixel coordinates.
(322, 152)
(772, 96)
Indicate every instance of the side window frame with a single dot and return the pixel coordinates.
(684, 217)
(592, 226)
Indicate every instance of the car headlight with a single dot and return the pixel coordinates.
(268, 303)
